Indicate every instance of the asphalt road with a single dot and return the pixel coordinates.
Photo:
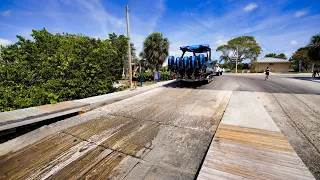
(165, 133)
(298, 84)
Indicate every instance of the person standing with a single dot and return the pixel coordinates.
(267, 74)
(134, 78)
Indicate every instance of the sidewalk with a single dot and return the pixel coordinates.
(16, 118)
(249, 145)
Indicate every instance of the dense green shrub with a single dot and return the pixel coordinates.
(166, 76)
(148, 76)
(54, 68)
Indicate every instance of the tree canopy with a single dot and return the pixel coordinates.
(121, 43)
(309, 56)
(314, 48)
(58, 67)
(248, 48)
(271, 55)
(280, 56)
(155, 50)
(301, 55)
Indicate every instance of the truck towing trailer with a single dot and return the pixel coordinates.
(197, 67)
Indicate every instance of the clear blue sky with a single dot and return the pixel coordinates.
(280, 26)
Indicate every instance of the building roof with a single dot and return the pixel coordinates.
(272, 60)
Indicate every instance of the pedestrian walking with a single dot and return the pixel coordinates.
(267, 74)
(134, 77)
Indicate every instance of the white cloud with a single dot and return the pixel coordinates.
(220, 42)
(6, 13)
(107, 21)
(250, 7)
(4, 42)
(300, 13)
(293, 42)
(160, 8)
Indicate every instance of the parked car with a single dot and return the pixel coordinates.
(226, 70)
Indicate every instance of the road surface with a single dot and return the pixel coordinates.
(292, 101)
(278, 83)
(164, 133)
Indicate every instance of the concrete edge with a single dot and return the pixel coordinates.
(37, 119)
(44, 114)
(83, 105)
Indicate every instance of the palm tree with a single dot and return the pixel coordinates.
(155, 50)
(314, 48)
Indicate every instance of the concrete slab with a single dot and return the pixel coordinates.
(302, 137)
(249, 145)
(245, 110)
(7, 117)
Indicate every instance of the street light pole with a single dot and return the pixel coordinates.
(129, 48)
(237, 59)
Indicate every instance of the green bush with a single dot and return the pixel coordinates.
(166, 76)
(148, 76)
(54, 68)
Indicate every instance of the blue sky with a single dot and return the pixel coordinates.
(279, 26)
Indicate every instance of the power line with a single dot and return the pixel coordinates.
(132, 2)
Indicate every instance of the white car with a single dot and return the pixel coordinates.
(217, 70)
(226, 70)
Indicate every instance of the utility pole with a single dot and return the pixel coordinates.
(237, 59)
(129, 48)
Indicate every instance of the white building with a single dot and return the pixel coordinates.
(275, 64)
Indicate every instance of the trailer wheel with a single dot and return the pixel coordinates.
(220, 73)
(217, 74)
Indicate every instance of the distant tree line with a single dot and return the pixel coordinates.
(308, 56)
(273, 55)
(246, 48)
(59, 67)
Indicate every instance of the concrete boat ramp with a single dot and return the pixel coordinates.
(249, 145)
(165, 133)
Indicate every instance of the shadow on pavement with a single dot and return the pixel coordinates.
(181, 84)
(314, 79)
